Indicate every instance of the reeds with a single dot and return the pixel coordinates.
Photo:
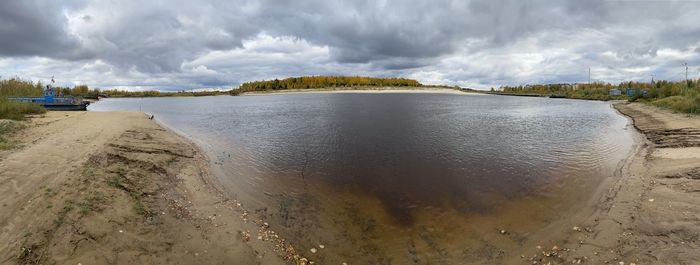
(16, 87)
(14, 110)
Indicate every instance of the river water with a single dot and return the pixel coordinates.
(402, 178)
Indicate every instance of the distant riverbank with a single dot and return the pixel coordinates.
(362, 90)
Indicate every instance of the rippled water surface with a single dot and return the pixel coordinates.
(378, 173)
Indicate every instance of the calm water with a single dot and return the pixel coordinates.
(403, 162)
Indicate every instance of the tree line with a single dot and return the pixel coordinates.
(25, 88)
(308, 82)
(16, 87)
(681, 96)
(155, 93)
(601, 90)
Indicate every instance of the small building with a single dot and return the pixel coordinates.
(631, 92)
(615, 92)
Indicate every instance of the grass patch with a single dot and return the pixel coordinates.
(93, 202)
(134, 193)
(115, 181)
(69, 206)
(7, 130)
(139, 207)
(13, 110)
(49, 192)
(689, 103)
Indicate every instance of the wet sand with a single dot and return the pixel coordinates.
(649, 215)
(116, 188)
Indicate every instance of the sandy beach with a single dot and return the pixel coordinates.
(117, 188)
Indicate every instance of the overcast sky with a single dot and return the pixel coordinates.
(184, 44)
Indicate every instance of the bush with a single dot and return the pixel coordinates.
(14, 110)
(20, 88)
(689, 103)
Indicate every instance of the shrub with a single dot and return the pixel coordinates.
(14, 110)
(689, 103)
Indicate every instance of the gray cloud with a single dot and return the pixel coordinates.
(191, 44)
(31, 28)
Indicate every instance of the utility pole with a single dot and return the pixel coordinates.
(686, 76)
(589, 75)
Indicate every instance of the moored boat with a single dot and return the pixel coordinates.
(52, 102)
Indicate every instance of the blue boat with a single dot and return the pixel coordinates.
(52, 102)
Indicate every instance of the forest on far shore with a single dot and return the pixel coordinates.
(309, 82)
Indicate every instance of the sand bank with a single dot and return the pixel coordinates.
(116, 188)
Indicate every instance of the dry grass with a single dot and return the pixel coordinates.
(20, 88)
(7, 130)
(689, 103)
(13, 110)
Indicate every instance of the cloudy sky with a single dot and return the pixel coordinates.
(183, 44)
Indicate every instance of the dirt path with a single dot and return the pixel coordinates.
(116, 188)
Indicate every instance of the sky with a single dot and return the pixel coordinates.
(219, 44)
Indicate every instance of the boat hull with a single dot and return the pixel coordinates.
(60, 103)
(78, 107)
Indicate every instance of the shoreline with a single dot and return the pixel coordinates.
(565, 240)
(134, 190)
(648, 215)
(130, 191)
(578, 238)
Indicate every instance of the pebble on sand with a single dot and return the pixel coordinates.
(313, 250)
(651, 200)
